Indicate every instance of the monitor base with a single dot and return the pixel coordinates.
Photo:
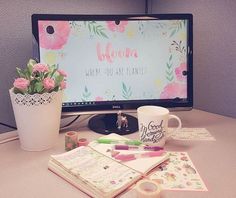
(109, 123)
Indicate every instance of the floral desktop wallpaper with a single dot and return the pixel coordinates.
(118, 60)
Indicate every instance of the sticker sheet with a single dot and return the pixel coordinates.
(178, 173)
(191, 134)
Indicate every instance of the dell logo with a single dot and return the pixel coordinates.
(116, 107)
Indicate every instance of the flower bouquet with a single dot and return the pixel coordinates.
(36, 98)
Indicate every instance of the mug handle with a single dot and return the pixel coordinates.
(179, 122)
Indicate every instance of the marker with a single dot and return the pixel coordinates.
(140, 148)
(129, 157)
(127, 142)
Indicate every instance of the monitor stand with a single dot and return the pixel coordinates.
(113, 123)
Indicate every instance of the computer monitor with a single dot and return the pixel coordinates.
(118, 63)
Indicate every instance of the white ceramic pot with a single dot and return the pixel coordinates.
(37, 118)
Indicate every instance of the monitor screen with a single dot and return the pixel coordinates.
(118, 62)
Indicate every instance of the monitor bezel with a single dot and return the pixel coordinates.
(124, 105)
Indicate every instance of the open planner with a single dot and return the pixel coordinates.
(95, 172)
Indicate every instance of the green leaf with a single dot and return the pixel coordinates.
(169, 72)
(88, 95)
(46, 75)
(103, 34)
(58, 80)
(31, 63)
(99, 27)
(168, 66)
(94, 29)
(126, 92)
(170, 78)
(56, 88)
(130, 93)
(53, 72)
(19, 72)
(89, 27)
(38, 87)
(16, 91)
(30, 66)
(180, 24)
(124, 87)
(173, 32)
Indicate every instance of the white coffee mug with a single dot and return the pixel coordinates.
(153, 124)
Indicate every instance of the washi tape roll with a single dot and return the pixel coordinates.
(147, 189)
(70, 140)
(82, 142)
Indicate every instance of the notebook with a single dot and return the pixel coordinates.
(92, 172)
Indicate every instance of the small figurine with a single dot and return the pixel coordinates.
(122, 121)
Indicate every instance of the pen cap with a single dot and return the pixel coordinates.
(104, 141)
(153, 153)
(121, 147)
(127, 157)
(133, 142)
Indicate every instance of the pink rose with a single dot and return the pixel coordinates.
(48, 83)
(21, 83)
(63, 84)
(62, 73)
(39, 67)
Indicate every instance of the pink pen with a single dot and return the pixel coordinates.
(140, 148)
(128, 157)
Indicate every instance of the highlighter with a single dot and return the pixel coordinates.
(129, 157)
(134, 147)
(126, 142)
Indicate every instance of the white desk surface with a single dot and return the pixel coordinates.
(25, 175)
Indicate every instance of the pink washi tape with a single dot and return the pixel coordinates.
(82, 142)
(70, 140)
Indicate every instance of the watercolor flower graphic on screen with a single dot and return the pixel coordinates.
(99, 98)
(179, 72)
(115, 26)
(174, 90)
(53, 34)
